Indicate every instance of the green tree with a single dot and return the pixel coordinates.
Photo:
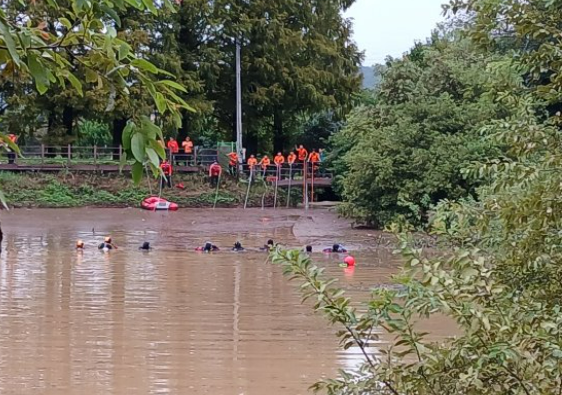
(76, 44)
(403, 150)
(297, 57)
(496, 270)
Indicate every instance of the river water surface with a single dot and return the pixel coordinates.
(171, 321)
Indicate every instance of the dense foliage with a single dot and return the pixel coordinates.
(72, 50)
(404, 149)
(297, 59)
(496, 271)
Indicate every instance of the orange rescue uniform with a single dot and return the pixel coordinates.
(187, 146)
(173, 146)
(166, 168)
(233, 159)
(291, 158)
(252, 162)
(279, 160)
(314, 157)
(265, 162)
(303, 154)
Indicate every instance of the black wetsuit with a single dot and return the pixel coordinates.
(105, 245)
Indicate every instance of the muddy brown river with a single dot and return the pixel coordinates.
(171, 321)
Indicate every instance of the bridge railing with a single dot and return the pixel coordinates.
(285, 171)
(99, 155)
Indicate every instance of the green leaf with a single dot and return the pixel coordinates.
(150, 5)
(155, 145)
(172, 84)
(9, 40)
(65, 22)
(91, 76)
(127, 135)
(75, 83)
(145, 65)
(135, 3)
(124, 50)
(112, 13)
(153, 157)
(136, 171)
(160, 102)
(38, 72)
(138, 143)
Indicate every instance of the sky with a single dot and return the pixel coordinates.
(390, 27)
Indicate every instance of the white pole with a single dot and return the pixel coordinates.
(238, 103)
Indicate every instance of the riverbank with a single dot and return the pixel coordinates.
(92, 190)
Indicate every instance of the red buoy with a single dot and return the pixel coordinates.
(349, 260)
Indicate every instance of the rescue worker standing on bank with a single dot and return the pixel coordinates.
(302, 156)
(252, 162)
(187, 146)
(174, 150)
(264, 163)
(291, 159)
(215, 172)
(314, 159)
(279, 160)
(11, 154)
(233, 163)
(166, 178)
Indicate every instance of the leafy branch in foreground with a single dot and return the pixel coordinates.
(52, 44)
(501, 347)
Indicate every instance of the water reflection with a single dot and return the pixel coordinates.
(169, 321)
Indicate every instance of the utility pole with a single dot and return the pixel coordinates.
(238, 103)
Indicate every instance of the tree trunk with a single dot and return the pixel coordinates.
(68, 120)
(278, 137)
(184, 131)
(118, 126)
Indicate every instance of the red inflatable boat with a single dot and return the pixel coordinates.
(154, 203)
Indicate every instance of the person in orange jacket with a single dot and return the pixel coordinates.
(187, 146)
(291, 158)
(174, 149)
(11, 154)
(166, 178)
(264, 162)
(232, 163)
(279, 159)
(215, 171)
(314, 159)
(302, 153)
(252, 162)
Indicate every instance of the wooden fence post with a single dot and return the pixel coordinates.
(95, 154)
(42, 154)
(69, 154)
(120, 158)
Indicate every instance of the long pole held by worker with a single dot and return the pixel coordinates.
(277, 175)
(312, 183)
(290, 182)
(249, 185)
(217, 192)
(304, 175)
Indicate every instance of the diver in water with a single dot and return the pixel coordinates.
(270, 246)
(238, 247)
(145, 246)
(208, 247)
(107, 244)
(336, 249)
(308, 249)
(79, 245)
